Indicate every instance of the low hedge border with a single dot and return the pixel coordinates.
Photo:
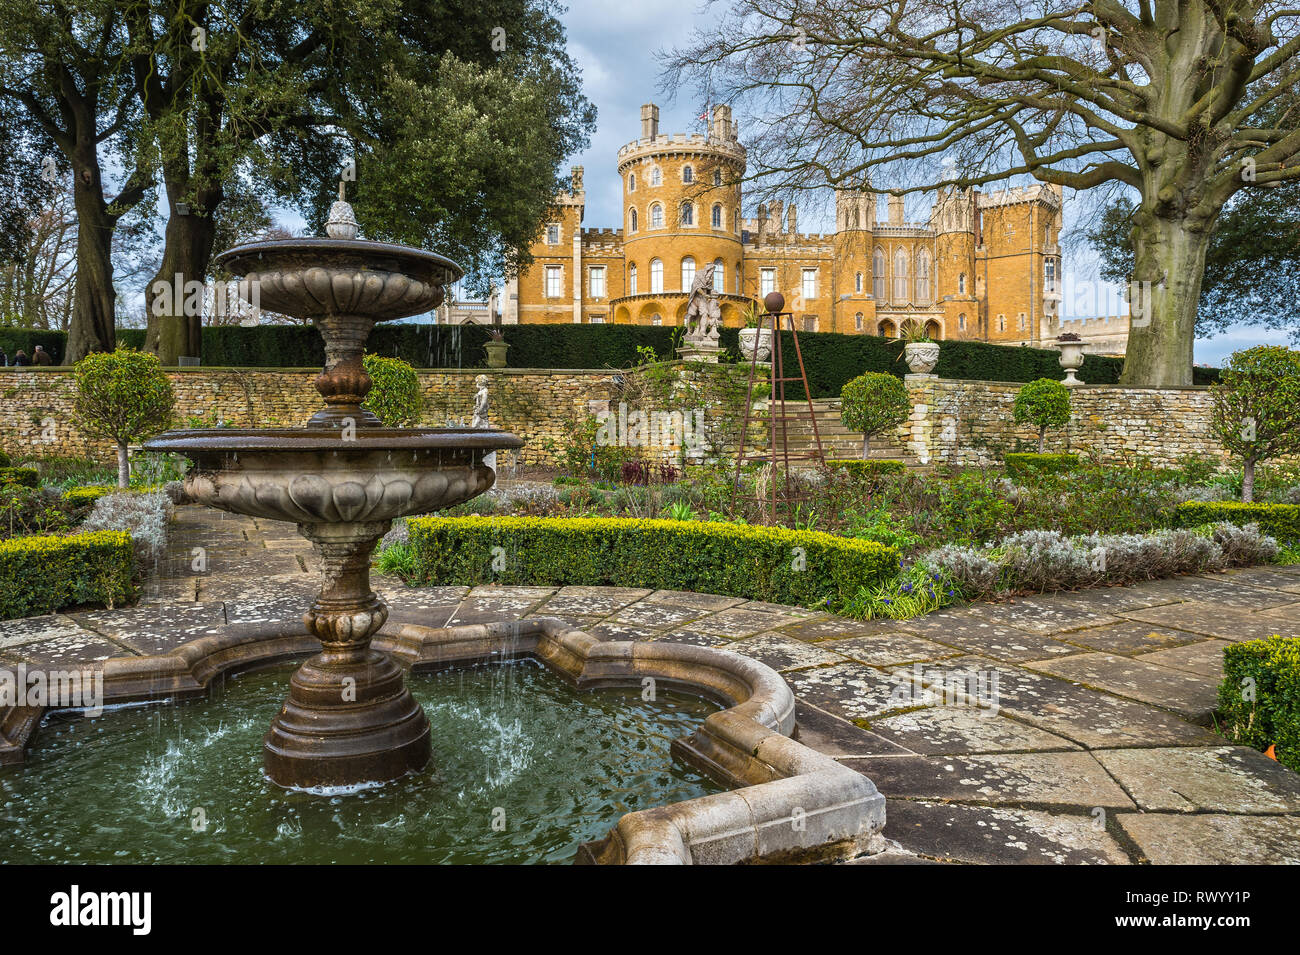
(1023, 464)
(805, 568)
(1259, 699)
(88, 495)
(43, 574)
(1278, 520)
(857, 467)
(24, 477)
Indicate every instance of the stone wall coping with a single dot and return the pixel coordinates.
(1083, 387)
(313, 370)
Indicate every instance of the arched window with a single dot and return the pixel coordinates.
(688, 213)
(688, 273)
(656, 275)
(717, 177)
(631, 221)
(631, 182)
(933, 331)
(857, 218)
(688, 174)
(631, 279)
(923, 277)
(961, 284)
(735, 220)
(656, 216)
(719, 275)
(878, 274)
(857, 282)
(656, 176)
(857, 322)
(900, 277)
(717, 215)
(961, 321)
(886, 328)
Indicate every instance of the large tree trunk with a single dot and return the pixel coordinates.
(1169, 258)
(175, 307)
(1248, 481)
(94, 300)
(123, 467)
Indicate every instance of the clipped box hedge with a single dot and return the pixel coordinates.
(1279, 520)
(869, 468)
(760, 563)
(43, 574)
(1269, 671)
(24, 477)
(1026, 464)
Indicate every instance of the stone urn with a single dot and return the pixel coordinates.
(921, 357)
(496, 353)
(1071, 359)
(759, 339)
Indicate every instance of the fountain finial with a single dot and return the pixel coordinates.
(342, 222)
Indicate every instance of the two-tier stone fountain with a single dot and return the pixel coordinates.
(342, 478)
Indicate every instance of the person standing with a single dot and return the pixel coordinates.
(20, 359)
(40, 356)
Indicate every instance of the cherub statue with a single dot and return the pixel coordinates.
(703, 313)
(480, 418)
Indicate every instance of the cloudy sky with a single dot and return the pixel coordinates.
(615, 46)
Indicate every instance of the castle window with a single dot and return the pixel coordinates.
(688, 273)
(554, 281)
(857, 282)
(1020, 321)
(810, 323)
(596, 281)
(596, 320)
(809, 283)
(1049, 275)
(688, 174)
(717, 215)
(857, 322)
(688, 214)
(719, 275)
(878, 274)
(900, 277)
(717, 177)
(631, 182)
(923, 278)
(631, 221)
(1002, 323)
(656, 275)
(553, 234)
(961, 284)
(656, 216)
(656, 177)
(961, 322)
(631, 279)
(767, 281)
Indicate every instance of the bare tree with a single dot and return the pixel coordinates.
(1175, 99)
(36, 286)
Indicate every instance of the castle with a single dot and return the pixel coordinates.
(984, 267)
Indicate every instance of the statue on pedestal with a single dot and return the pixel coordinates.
(703, 313)
(480, 416)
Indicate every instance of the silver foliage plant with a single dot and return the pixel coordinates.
(143, 516)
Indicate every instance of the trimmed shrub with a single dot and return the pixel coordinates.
(866, 468)
(122, 396)
(1256, 411)
(873, 403)
(1044, 403)
(1026, 464)
(143, 516)
(395, 394)
(23, 477)
(1259, 698)
(1277, 520)
(971, 572)
(44, 574)
(762, 563)
(1243, 546)
(87, 496)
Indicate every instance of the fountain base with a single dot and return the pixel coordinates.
(347, 721)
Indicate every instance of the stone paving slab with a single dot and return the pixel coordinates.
(999, 835)
(1215, 620)
(972, 634)
(1024, 779)
(836, 737)
(1199, 779)
(838, 628)
(1214, 839)
(850, 690)
(737, 622)
(1131, 637)
(1184, 692)
(155, 630)
(1043, 616)
(1226, 593)
(1111, 600)
(68, 651)
(965, 730)
(683, 598)
(1271, 578)
(14, 633)
(1205, 658)
(889, 649)
(655, 615)
(781, 653)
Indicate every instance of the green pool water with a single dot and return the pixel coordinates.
(524, 769)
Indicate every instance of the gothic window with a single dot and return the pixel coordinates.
(656, 177)
(656, 216)
(631, 221)
(688, 273)
(717, 215)
(923, 278)
(719, 275)
(900, 277)
(631, 182)
(857, 322)
(688, 174)
(961, 284)
(688, 214)
(857, 282)
(631, 279)
(878, 274)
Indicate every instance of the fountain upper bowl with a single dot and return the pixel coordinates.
(311, 277)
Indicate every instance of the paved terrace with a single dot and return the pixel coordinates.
(1100, 748)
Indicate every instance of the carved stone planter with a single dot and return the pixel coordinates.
(756, 338)
(496, 353)
(1071, 359)
(921, 357)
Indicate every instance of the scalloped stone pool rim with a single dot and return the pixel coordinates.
(790, 803)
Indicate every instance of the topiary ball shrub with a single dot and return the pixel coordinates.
(1256, 410)
(1045, 404)
(122, 396)
(394, 393)
(873, 403)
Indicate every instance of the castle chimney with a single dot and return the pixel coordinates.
(762, 223)
(649, 121)
(722, 122)
(775, 213)
(895, 210)
(792, 220)
(576, 173)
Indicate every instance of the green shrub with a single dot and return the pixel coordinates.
(395, 393)
(122, 396)
(1256, 411)
(1277, 520)
(86, 496)
(1259, 698)
(43, 574)
(1044, 403)
(1026, 464)
(878, 467)
(762, 563)
(873, 403)
(23, 477)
